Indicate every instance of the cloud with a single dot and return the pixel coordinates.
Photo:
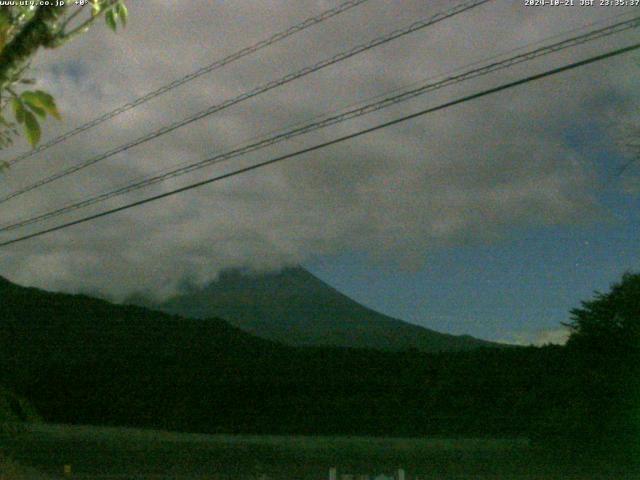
(467, 174)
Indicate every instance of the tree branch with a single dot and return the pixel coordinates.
(82, 28)
(71, 17)
(38, 32)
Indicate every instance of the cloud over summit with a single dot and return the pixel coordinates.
(470, 173)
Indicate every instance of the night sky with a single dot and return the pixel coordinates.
(492, 218)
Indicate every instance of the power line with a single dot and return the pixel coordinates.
(396, 121)
(392, 91)
(625, 166)
(253, 93)
(309, 22)
(332, 120)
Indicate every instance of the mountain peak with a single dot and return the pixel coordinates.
(295, 307)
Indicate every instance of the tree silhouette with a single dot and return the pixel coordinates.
(610, 323)
(605, 346)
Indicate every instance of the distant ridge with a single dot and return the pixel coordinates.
(81, 360)
(295, 307)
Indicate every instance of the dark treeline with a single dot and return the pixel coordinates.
(83, 360)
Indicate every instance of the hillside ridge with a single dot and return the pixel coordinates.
(295, 307)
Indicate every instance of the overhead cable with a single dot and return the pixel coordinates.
(250, 94)
(375, 128)
(192, 76)
(335, 119)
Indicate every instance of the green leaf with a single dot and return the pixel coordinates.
(31, 128)
(37, 110)
(4, 30)
(96, 7)
(48, 103)
(3, 166)
(18, 110)
(41, 101)
(5, 18)
(123, 13)
(5, 25)
(110, 18)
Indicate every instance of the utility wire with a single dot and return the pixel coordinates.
(8, 226)
(380, 95)
(193, 75)
(621, 170)
(253, 93)
(332, 120)
(396, 121)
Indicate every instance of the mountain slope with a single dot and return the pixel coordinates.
(84, 360)
(81, 360)
(295, 307)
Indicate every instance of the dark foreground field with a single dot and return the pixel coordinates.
(125, 453)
